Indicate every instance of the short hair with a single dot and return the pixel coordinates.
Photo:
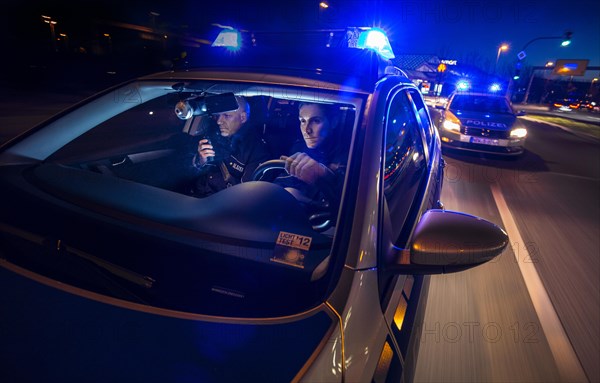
(330, 111)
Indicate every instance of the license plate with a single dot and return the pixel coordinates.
(485, 141)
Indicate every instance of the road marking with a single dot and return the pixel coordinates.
(566, 360)
(585, 178)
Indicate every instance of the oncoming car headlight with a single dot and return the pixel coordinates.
(451, 122)
(518, 133)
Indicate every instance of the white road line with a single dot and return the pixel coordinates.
(566, 360)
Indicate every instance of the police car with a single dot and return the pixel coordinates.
(109, 271)
(482, 122)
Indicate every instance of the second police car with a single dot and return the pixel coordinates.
(481, 122)
(110, 271)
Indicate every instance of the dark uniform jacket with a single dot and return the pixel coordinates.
(236, 158)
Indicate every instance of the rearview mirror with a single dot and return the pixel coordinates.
(212, 104)
(446, 242)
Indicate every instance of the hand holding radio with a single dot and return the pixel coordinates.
(206, 153)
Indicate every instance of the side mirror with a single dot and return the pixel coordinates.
(446, 242)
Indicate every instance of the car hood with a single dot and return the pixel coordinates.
(486, 120)
(81, 339)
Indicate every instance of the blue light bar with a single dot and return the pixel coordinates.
(463, 85)
(375, 39)
(229, 38)
(495, 87)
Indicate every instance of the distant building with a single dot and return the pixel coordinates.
(422, 70)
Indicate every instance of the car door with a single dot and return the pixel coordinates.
(405, 172)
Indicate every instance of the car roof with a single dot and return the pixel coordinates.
(332, 68)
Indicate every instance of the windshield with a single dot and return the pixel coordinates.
(481, 104)
(246, 181)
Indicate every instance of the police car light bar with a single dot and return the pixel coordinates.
(495, 87)
(463, 85)
(228, 38)
(377, 40)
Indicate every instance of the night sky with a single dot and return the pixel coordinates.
(468, 31)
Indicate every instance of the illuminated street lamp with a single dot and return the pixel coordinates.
(65, 40)
(48, 20)
(501, 48)
(566, 40)
(324, 14)
(109, 40)
(594, 80)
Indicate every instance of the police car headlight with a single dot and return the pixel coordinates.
(518, 133)
(451, 125)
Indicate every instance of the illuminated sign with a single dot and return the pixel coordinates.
(570, 67)
(449, 62)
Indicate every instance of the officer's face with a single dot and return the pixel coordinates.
(230, 122)
(314, 125)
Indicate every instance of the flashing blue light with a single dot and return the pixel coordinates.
(463, 85)
(376, 39)
(229, 38)
(495, 87)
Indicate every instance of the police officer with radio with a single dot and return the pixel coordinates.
(231, 158)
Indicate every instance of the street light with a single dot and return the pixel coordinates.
(566, 40)
(591, 86)
(503, 47)
(48, 20)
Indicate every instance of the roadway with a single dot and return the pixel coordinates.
(532, 315)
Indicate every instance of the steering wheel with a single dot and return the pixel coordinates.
(272, 167)
(318, 211)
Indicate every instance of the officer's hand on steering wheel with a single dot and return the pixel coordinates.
(303, 167)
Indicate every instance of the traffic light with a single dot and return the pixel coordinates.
(517, 71)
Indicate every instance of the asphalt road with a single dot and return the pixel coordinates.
(499, 322)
